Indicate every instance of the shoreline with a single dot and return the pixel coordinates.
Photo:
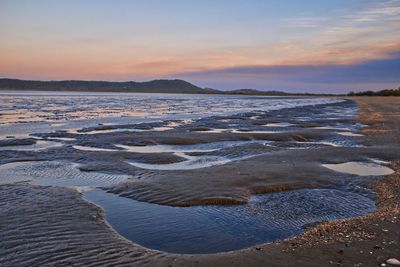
(345, 242)
(342, 242)
(368, 240)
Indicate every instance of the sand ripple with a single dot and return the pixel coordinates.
(56, 173)
(53, 226)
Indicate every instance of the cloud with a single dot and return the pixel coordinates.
(304, 22)
(372, 23)
(296, 52)
(371, 74)
(384, 11)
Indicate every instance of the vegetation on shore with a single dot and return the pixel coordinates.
(386, 92)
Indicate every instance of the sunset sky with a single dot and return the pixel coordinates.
(290, 45)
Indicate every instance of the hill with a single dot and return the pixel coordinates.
(155, 86)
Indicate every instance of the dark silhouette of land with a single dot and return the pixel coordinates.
(386, 92)
(155, 86)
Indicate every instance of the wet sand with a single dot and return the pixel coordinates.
(368, 240)
(364, 241)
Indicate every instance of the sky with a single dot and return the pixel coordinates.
(328, 46)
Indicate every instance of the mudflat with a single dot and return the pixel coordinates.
(38, 230)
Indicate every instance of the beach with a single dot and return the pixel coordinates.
(200, 133)
(214, 161)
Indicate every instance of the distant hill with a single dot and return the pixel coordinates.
(156, 86)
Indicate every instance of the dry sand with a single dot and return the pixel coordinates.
(51, 226)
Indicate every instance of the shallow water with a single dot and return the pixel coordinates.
(36, 112)
(255, 131)
(209, 147)
(105, 131)
(210, 229)
(62, 139)
(324, 143)
(360, 168)
(39, 145)
(94, 149)
(50, 106)
(279, 124)
(56, 173)
(191, 163)
(213, 130)
(349, 134)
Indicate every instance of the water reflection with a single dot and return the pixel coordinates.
(211, 229)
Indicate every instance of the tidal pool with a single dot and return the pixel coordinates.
(279, 124)
(350, 134)
(191, 163)
(208, 147)
(211, 229)
(93, 149)
(360, 168)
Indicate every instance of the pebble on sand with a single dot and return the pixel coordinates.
(393, 262)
